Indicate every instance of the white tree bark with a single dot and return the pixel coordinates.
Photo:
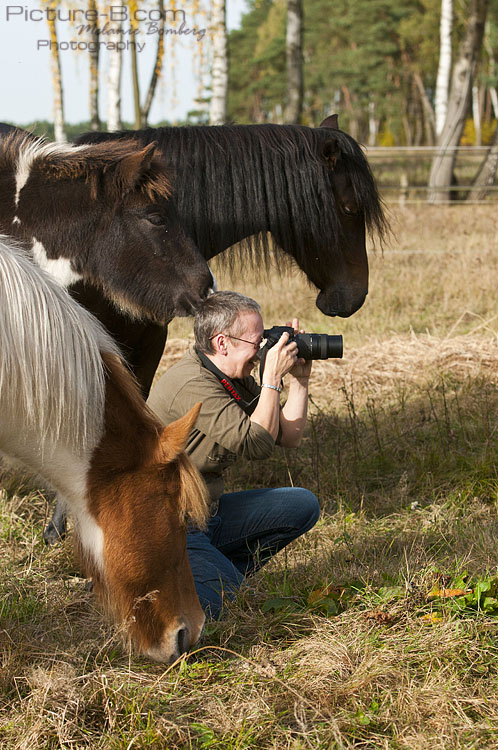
(476, 114)
(487, 173)
(114, 83)
(94, 69)
(218, 105)
(294, 56)
(458, 103)
(55, 64)
(444, 69)
(372, 124)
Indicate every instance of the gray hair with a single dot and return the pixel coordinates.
(218, 314)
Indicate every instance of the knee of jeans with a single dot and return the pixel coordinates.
(308, 506)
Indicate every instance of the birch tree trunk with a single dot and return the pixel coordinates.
(487, 172)
(94, 68)
(158, 65)
(429, 117)
(458, 103)
(55, 66)
(444, 69)
(133, 6)
(372, 124)
(476, 114)
(218, 104)
(294, 56)
(114, 83)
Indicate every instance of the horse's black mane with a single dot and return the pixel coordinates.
(262, 175)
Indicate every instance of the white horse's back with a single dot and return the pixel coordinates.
(52, 385)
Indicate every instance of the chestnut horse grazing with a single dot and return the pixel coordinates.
(71, 412)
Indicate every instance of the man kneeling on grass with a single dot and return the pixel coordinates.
(238, 418)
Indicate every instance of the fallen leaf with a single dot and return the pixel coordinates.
(443, 593)
(433, 618)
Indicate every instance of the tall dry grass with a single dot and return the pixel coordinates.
(337, 643)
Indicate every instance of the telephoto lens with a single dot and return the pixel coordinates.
(309, 345)
(318, 345)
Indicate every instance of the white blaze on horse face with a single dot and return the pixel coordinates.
(16, 220)
(59, 268)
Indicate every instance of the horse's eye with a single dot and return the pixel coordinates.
(349, 211)
(156, 219)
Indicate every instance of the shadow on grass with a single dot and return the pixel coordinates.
(384, 454)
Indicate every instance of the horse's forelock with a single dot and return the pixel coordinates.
(62, 161)
(364, 186)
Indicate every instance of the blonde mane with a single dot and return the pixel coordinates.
(52, 379)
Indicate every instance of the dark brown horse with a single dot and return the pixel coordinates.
(101, 218)
(311, 188)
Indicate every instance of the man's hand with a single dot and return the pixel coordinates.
(280, 359)
(302, 368)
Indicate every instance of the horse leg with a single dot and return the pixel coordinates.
(56, 529)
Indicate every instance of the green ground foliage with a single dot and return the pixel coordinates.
(379, 628)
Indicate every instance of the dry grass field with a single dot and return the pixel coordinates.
(379, 629)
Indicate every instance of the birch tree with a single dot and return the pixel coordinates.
(158, 65)
(133, 7)
(458, 103)
(218, 104)
(114, 81)
(94, 67)
(444, 68)
(487, 172)
(55, 66)
(294, 61)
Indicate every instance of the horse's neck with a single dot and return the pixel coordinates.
(130, 430)
(217, 226)
(62, 468)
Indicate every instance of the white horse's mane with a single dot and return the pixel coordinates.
(51, 372)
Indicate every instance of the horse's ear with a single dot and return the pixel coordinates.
(332, 121)
(174, 437)
(331, 152)
(131, 168)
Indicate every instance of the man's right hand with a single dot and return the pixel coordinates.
(280, 359)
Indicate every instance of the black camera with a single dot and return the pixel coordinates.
(309, 345)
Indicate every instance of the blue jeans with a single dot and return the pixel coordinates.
(247, 530)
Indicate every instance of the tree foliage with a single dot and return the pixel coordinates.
(374, 61)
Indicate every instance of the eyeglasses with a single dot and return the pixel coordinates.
(256, 344)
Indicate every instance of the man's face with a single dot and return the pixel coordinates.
(242, 355)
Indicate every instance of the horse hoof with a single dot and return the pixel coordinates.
(52, 535)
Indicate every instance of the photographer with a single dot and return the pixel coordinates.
(238, 418)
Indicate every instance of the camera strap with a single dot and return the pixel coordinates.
(228, 384)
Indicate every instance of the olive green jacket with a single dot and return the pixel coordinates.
(223, 431)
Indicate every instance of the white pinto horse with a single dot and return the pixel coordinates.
(72, 413)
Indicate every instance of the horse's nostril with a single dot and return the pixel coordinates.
(183, 637)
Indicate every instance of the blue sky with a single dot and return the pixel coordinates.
(25, 84)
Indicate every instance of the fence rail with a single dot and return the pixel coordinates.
(402, 173)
